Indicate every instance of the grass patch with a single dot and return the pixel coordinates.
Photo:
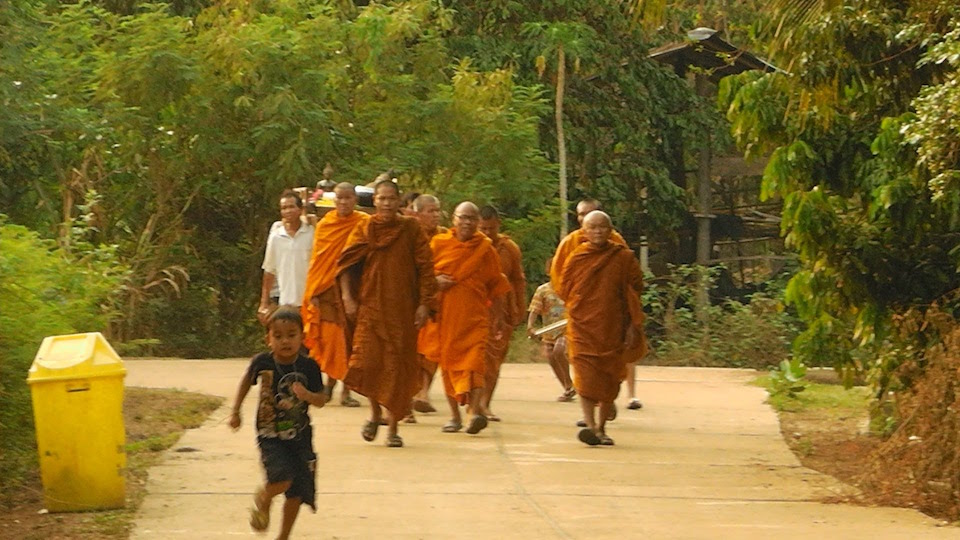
(154, 421)
(826, 426)
(828, 398)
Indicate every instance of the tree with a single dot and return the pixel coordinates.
(874, 236)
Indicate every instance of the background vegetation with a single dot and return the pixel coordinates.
(142, 146)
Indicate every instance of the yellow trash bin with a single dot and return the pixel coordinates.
(76, 382)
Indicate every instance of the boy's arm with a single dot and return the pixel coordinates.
(531, 322)
(242, 391)
(317, 399)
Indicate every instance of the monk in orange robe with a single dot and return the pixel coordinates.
(426, 209)
(514, 306)
(327, 330)
(602, 283)
(468, 274)
(564, 250)
(387, 283)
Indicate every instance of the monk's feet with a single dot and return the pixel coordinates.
(613, 413)
(589, 437)
(369, 431)
(410, 419)
(635, 404)
(581, 423)
(423, 406)
(348, 401)
(567, 396)
(394, 441)
(477, 424)
(452, 426)
(605, 439)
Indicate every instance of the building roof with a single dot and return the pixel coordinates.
(705, 49)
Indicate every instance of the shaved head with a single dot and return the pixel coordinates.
(584, 207)
(597, 227)
(468, 206)
(427, 210)
(345, 198)
(598, 216)
(466, 218)
(424, 200)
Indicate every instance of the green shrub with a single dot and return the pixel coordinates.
(756, 334)
(44, 290)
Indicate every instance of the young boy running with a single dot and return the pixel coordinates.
(289, 382)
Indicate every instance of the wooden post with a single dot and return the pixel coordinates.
(704, 193)
(703, 215)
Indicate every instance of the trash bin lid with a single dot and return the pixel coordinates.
(75, 356)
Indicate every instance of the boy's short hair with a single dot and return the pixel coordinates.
(286, 313)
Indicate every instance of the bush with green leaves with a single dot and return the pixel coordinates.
(44, 290)
(756, 334)
(787, 379)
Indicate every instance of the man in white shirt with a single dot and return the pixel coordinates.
(287, 257)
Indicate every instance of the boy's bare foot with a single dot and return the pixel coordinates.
(260, 512)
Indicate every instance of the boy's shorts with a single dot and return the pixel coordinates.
(292, 460)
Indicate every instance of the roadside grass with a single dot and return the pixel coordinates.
(154, 420)
(826, 425)
(827, 399)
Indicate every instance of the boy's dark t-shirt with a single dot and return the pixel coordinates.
(280, 414)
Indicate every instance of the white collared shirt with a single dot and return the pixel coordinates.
(288, 258)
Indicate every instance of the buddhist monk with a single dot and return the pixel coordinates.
(514, 304)
(564, 250)
(427, 210)
(602, 283)
(388, 286)
(468, 275)
(327, 329)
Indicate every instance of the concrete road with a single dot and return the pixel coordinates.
(704, 459)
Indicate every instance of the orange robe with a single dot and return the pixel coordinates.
(325, 329)
(464, 316)
(601, 290)
(392, 269)
(566, 247)
(513, 308)
(428, 341)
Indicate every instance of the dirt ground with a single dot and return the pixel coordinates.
(155, 419)
(830, 445)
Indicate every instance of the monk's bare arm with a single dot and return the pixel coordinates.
(423, 257)
(346, 294)
(242, 391)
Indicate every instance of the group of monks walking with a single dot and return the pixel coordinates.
(390, 297)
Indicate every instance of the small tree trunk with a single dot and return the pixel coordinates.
(561, 144)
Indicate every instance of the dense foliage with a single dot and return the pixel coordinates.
(179, 132)
(863, 139)
(44, 290)
(177, 124)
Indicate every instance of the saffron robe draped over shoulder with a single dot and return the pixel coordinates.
(464, 316)
(428, 341)
(566, 248)
(325, 329)
(601, 291)
(393, 264)
(513, 309)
